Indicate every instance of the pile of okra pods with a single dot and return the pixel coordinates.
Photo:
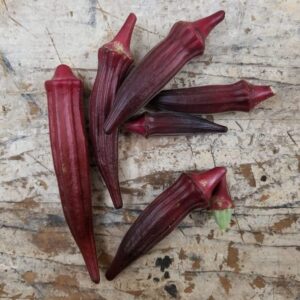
(119, 92)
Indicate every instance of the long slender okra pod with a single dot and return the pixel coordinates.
(185, 41)
(191, 190)
(240, 96)
(70, 157)
(167, 123)
(114, 60)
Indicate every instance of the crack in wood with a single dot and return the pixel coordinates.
(291, 137)
(53, 44)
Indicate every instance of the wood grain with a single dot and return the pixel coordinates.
(258, 258)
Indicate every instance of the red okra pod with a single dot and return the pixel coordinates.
(204, 190)
(167, 123)
(114, 59)
(240, 96)
(70, 158)
(185, 41)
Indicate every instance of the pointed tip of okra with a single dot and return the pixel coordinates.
(117, 205)
(222, 128)
(116, 198)
(89, 253)
(92, 267)
(110, 274)
(63, 72)
(110, 124)
(208, 180)
(207, 24)
(95, 278)
(121, 41)
(136, 125)
(260, 93)
(217, 127)
(210, 126)
(115, 268)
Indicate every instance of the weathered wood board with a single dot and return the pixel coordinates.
(258, 258)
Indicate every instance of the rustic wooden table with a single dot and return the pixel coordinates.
(258, 258)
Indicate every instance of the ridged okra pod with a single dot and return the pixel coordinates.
(70, 158)
(168, 123)
(114, 60)
(185, 41)
(240, 96)
(204, 190)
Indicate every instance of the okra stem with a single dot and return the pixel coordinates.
(123, 37)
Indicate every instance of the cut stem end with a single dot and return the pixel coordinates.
(206, 25)
(63, 72)
(261, 93)
(223, 217)
(123, 37)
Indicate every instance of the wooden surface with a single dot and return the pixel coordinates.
(258, 258)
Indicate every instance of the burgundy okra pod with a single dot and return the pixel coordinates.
(168, 123)
(70, 157)
(114, 60)
(240, 96)
(185, 41)
(204, 190)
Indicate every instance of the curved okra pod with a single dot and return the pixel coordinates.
(70, 158)
(206, 190)
(168, 123)
(185, 41)
(114, 61)
(240, 96)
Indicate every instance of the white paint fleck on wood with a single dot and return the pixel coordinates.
(258, 258)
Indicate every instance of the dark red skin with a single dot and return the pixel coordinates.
(70, 158)
(114, 60)
(168, 123)
(185, 41)
(191, 191)
(240, 96)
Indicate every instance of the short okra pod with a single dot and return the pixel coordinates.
(190, 191)
(70, 158)
(168, 123)
(240, 96)
(114, 60)
(184, 41)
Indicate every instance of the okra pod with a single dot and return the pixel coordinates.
(240, 96)
(70, 158)
(191, 191)
(167, 123)
(185, 41)
(114, 60)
